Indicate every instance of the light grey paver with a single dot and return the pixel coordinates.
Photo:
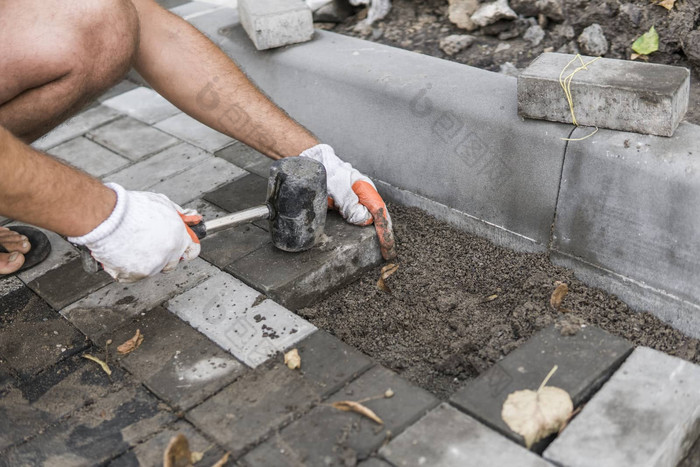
(274, 23)
(205, 209)
(207, 175)
(76, 126)
(247, 158)
(647, 414)
(445, 437)
(143, 104)
(159, 167)
(188, 129)
(131, 138)
(88, 157)
(222, 309)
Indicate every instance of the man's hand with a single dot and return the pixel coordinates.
(145, 234)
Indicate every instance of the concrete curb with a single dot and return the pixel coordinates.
(446, 137)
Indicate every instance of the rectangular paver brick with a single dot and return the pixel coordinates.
(224, 247)
(647, 414)
(226, 310)
(131, 138)
(143, 104)
(274, 23)
(244, 193)
(246, 158)
(642, 97)
(585, 361)
(76, 126)
(188, 129)
(88, 157)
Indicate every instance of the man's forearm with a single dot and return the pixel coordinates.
(190, 71)
(39, 190)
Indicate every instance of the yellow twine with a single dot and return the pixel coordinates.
(565, 83)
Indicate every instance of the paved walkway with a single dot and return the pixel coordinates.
(210, 364)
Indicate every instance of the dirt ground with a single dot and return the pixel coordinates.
(420, 25)
(442, 325)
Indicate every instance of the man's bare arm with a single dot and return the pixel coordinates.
(39, 190)
(191, 72)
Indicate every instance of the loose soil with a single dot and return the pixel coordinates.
(459, 303)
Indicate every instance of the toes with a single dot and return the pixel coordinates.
(10, 262)
(13, 241)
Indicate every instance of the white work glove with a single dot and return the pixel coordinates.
(144, 235)
(340, 178)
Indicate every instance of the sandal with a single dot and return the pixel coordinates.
(41, 247)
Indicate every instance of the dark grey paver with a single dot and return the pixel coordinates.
(176, 362)
(33, 336)
(250, 409)
(586, 360)
(326, 436)
(246, 158)
(18, 419)
(224, 247)
(68, 283)
(244, 193)
(648, 413)
(96, 433)
(448, 438)
(330, 363)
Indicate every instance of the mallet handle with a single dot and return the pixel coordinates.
(231, 220)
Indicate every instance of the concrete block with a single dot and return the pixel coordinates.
(143, 104)
(68, 283)
(226, 311)
(159, 167)
(188, 129)
(250, 409)
(88, 157)
(244, 193)
(246, 158)
(625, 220)
(647, 414)
(131, 138)
(274, 23)
(313, 439)
(622, 95)
(446, 437)
(586, 360)
(76, 126)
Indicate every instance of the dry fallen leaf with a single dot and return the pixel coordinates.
(668, 4)
(537, 414)
(292, 359)
(196, 456)
(177, 453)
(221, 462)
(350, 406)
(132, 344)
(104, 366)
(558, 295)
(388, 393)
(387, 271)
(491, 298)
(639, 56)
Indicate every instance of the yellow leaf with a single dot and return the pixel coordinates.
(558, 295)
(177, 453)
(350, 406)
(292, 359)
(387, 271)
(132, 344)
(491, 298)
(221, 462)
(104, 366)
(668, 4)
(196, 456)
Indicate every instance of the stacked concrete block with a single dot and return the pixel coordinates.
(274, 23)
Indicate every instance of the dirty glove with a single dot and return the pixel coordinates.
(354, 195)
(145, 234)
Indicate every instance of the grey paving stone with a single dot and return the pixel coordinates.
(250, 409)
(225, 310)
(68, 283)
(330, 363)
(647, 414)
(176, 362)
(227, 246)
(298, 279)
(205, 209)
(76, 126)
(18, 420)
(33, 337)
(275, 23)
(103, 311)
(151, 452)
(143, 104)
(191, 184)
(445, 437)
(88, 157)
(120, 88)
(326, 436)
(159, 167)
(246, 158)
(244, 193)
(188, 129)
(586, 360)
(131, 138)
(96, 433)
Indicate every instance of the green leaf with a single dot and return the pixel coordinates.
(647, 43)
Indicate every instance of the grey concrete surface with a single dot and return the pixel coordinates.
(275, 23)
(622, 95)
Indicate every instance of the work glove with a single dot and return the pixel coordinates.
(355, 196)
(145, 234)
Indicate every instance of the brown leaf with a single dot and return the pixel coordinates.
(177, 453)
(490, 298)
(350, 406)
(558, 295)
(387, 271)
(221, 462)
(132, 344)
(104, 366)
(668, 4)
(292, 359)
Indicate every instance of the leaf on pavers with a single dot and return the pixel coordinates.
(221, 462)
(292, 359)
(132, 344)
(351, 406)
(104, 366)
(537, 414)
(647, 42)
(196, 456)
(387, 271)
(177, 453)
(668, 4)
(558, 294)
(388, 393)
